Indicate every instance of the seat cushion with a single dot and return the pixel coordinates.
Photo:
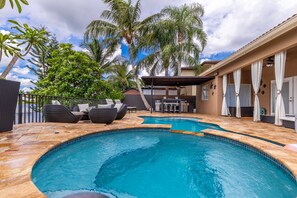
(76, 113)
(104, 106)
(83, 107)
(118, 106)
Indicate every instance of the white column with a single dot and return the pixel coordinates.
(256, 80)
(237, 80)
(225, 110)
(279, 68)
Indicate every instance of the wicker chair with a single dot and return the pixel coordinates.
(59, 113)
(103, 115)
(122, 112)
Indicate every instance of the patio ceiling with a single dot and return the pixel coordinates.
(176, 80)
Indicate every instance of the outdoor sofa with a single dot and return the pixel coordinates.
(103, 115)
(59, 113)
(121, 112)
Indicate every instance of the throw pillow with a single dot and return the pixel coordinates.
(56, 102)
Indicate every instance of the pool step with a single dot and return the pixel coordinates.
(188, 133)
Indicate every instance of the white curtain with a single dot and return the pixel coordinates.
(256, 80)
(225, 110)
(237, 80)
(279, 68)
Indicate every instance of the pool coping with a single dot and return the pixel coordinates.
(203, 121)
(15, 183)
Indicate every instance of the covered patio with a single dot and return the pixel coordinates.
(260, 79)
(173, 104)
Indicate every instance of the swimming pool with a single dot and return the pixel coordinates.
(148, 163)
(181, 123)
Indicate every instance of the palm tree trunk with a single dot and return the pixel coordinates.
(146, 104)
(13, 61)
(0, 55)
(180, 39)
(9, 66)
(167, 74)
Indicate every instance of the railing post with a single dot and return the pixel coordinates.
(25, 108)
(71, 104)
(20, 110)
(29, 111)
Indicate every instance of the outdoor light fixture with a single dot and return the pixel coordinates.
(270, 61)
(216, 73)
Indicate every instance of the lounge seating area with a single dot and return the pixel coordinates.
(101, 113)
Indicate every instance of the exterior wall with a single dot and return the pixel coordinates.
(285, 42)
(213, 104)
(189, 90)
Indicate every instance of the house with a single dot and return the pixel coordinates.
(189, 71)
(260, 79)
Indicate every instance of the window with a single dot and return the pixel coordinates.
(204, 93)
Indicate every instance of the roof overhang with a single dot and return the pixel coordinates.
(176, 80)
(275, 32)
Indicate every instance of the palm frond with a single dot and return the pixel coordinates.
(100, 28)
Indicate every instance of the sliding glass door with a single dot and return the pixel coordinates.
(295, 95)
(288, 95)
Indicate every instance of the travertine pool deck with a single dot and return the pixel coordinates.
(21, 148)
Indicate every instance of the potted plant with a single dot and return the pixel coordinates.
(10, 46)
(8, 100)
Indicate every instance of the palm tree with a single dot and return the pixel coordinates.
(122, 77)
(158, 40)
(31, 37)
(7, 45)
(102, 53)
(121, 22)
(16, 2)
(188, 26)
(165, 54)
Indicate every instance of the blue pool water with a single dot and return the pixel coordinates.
(152, 163)
(181, 123)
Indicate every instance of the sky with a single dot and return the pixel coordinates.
(229, 24)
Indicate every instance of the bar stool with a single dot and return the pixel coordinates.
(174, 108)
(168, 108)
(164, 107)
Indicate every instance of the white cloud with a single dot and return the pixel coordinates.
(118, 52)
(22, 71)
(230, 23)
(143, 73)
(5, 61)
(26, 89)
(64, 18)
(4, 32)
(26, 82)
